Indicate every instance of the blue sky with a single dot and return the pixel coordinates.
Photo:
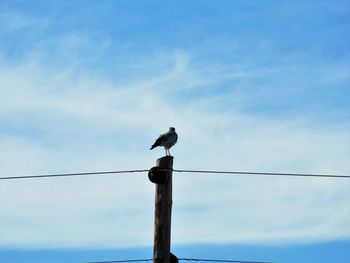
(249, 85)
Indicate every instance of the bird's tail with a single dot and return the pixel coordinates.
(154, 145)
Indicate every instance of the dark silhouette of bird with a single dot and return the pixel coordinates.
(167, 140)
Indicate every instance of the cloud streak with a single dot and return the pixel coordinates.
(64, 121)
(75, 100)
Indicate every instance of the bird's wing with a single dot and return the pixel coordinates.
(162, 139)
(172, 139)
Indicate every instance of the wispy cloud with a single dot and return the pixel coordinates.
(66, 120)
(93, 95)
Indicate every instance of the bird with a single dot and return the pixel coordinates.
(167, 140)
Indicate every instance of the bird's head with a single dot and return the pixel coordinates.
(172, 129)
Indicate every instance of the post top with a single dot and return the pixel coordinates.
(166, 158)
(165, 162)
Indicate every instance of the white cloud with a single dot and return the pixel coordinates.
(12, 21)
(69, 121)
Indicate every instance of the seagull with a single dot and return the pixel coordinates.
(167, 140)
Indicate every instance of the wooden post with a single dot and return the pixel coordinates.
(162, 218)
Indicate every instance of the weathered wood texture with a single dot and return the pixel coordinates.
(162, 218)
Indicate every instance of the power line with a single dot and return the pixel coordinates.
(221, 260)
(182, 259)
(263, 173)
(178, 171)
(71, 174)
(121, 261)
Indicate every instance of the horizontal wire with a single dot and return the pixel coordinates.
(178, 171)
(262, 173)
(71, 174)
(120, 261)
(182, 259)
(221, 260)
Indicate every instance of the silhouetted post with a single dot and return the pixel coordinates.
(162, 218)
